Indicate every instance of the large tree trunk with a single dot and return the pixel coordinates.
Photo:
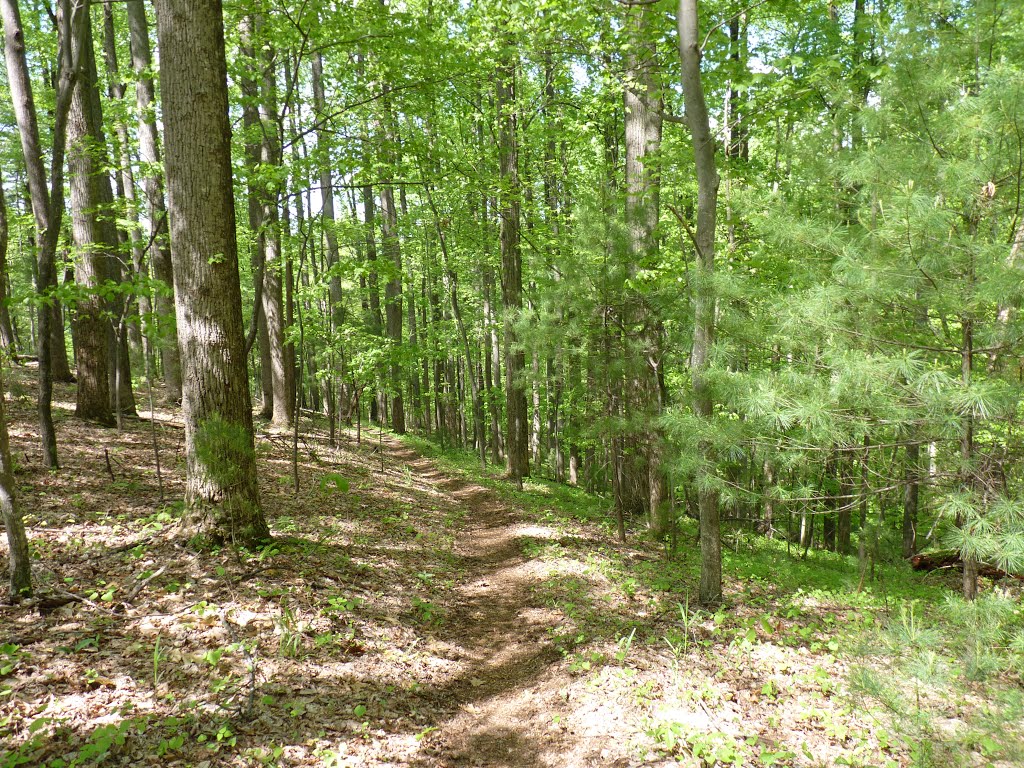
(95, 242)
(222, 495)
(710, 591)
(517, 444)
(643, 124)
(152, 184)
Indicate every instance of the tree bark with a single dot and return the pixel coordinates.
(517, 445)
(282, 369)
(222, 495)
(392, 252)
(7, 340)
(710, 591)
(95, 242)
(47, 202)
(153, 186)
(17, 541)
(643, 107)
(911, 498)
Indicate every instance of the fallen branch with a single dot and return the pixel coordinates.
(141, 585)
(934, 561)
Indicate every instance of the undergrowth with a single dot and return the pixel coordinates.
(895, 670)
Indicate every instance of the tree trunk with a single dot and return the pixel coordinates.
(492, 362)
(132, 308)
(710, 591)
(47, 202)
(153, 186)
(643, 125)
(281, 353)
(253, 147)
(392, 250)
(222, 495)
(517, 446)
(17, 541)
(277, 360)
(60, 364)
(451, 280)
(911, 498)
(95, 241)
(970, 581)
(7, 341)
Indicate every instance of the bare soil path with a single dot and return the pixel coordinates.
(511, 700)
(405, 621)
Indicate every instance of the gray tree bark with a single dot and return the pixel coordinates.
(710, 591)
(7, 340)
(47, 201)
(17, 541)
(643, 124)
(222, 495)
(517, 443)
(95, 242)
(153, 186)
(282, 370)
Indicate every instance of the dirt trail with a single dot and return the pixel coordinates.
(511, 701)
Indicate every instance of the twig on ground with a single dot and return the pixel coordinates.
(142, 583)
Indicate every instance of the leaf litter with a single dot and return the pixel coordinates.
(404, 616)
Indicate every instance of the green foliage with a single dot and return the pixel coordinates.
(334, 483)
(224, 450)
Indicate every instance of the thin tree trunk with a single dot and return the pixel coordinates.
(451, 280)
(17, 541)
(336, 310)
(911, 498)
(970, 580)
(282, 371)
(253, 148)
(517, 456)
(7, 340)
(153, 187)
(710, 591)
(131, 307)
(392, 251)
(47, 202)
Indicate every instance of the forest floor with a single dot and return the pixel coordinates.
(414, 610)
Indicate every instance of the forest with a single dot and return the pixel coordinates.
(503, 383)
